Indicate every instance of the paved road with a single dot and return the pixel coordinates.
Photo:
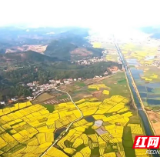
(68, 127)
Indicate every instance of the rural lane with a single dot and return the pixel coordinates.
(68, 127)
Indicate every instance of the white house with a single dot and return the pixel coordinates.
(66, 82)
(29, 84)
(70, 79)
(2, 103)
(29, 98)
(96, 77)
(52, 81)
(13, 99)
(58, 81)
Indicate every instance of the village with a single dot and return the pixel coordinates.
(38, 89)
(91, 61)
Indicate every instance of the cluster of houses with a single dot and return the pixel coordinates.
(90, 61)
(156, 64)
(113, 69)
(39, 89)
(64, 81)
(10, 101)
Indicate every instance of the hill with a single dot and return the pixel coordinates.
(11, 80)
(15, 37)
(25, 57)
(21, 67)
(67, 45)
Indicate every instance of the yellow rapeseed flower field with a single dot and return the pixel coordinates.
(2, 142)
(97, 45)
(93, 137)
(136, 128)
(35, 126)
(78, 154)
(86, 152)
(54, 152)
(84, 137)
(97, 86)
(111, 154)
(69, 150)
(106, 92)
(33, 142)
(80, 101)
(41, 138)
(77, 143)
(141, 153)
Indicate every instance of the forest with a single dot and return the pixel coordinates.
(13, 83)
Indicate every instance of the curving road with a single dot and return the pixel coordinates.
(68, 127)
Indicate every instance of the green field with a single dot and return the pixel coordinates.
(118, 84)
(128, 142)
(42, 97)
(80, 84)
(149, 71)
(63, 96)
(134, 119)
(49, 107)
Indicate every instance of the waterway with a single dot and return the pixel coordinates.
(142, 114)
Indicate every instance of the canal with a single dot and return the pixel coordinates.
(142, 114)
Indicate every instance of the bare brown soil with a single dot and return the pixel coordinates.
(81, 52)
(154, 118)
(36, 48)
(97, 94)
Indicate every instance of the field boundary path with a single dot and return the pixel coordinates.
(60, 136)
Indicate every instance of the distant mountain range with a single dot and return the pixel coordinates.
(64, 44)
(17, 37)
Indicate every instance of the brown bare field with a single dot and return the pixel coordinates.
(97, 94)
(36, 48)
(96, 80)
(43, 97)
(154, 118)
(81, 52)
(56, 101)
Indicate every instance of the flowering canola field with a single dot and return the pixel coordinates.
(97, 86)
(28, 130)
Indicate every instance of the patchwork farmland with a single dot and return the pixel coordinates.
(29, 130)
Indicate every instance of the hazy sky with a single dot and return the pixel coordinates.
(87, 13)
